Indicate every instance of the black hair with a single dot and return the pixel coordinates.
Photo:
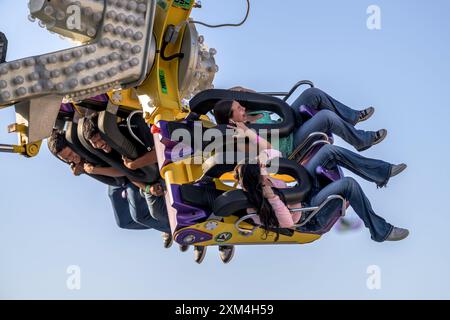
(252, 183)
(57, 142)
(222, 111)
(90, 127)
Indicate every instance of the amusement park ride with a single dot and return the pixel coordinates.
(145, 57)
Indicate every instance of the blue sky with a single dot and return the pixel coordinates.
(51, 220)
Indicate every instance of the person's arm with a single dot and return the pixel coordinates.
(253, 137)
(296, 216)
(284, 216)
(77, 169)
(148, 158)
(254, 118)
(103, 171)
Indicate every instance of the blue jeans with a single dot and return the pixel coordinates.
(121, 209)
(328, 121)
(370, 169)
(333, 117)
(319, 100)
(330, 156)
(158, 210)
(139, 211)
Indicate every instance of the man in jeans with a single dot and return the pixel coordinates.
(145, 215)
(377, 171)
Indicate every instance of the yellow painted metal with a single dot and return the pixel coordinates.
(17, 128)
(26, 149)
(32, 149)
(161, 86)
(237, 238)
(126, 99)
(181, 173)
(229, 176)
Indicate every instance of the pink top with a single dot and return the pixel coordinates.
(285, 218)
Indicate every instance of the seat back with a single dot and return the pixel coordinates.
(204, 102)
(134, 175)
(75, 145)
(236, 200)
(110, 132)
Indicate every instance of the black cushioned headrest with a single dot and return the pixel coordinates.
(221, 163)
(75, 144)
(236, 200)
(109, 130)
(135, 175)
(204, 102)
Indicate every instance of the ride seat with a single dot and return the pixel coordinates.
(204, 102)
(125, 145)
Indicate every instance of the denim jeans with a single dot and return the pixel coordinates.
(121, 209)
(333, 117)
(139, 211)
(319, 100)
(158, 210)
(330, 156)
(370, 169)
(327, 121)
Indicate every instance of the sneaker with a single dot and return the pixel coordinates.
(397, 169)
(184, 247)
(199, 253)
(168, 240)
(380, 135)
(226, 253)
(365, 114)
(397, 234)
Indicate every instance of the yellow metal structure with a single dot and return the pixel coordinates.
(159, 97)
(160, 89)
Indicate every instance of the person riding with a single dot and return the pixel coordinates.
(123, 207)
(332, 116)
(273, 212)
(154, 216)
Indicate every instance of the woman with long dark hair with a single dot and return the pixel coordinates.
(273, 212)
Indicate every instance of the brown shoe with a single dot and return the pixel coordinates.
(397, 234)
(365, 114)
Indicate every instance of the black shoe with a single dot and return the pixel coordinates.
(380, 135)
(184, 247)
(365, 114)
(397, 169)
(199, 253)
(168, 240)
(226, 253)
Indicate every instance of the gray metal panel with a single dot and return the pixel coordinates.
(116, 58)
